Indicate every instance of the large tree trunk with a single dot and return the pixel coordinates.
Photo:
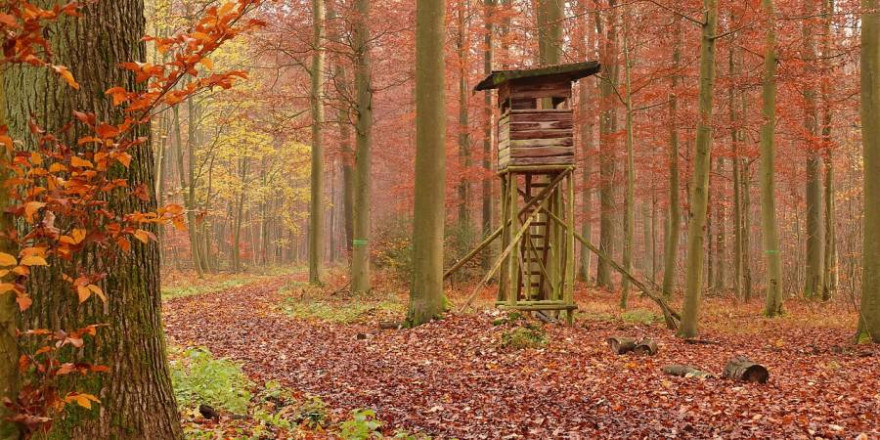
(360, 258)
(317, 208)
(870, 109)
(735, 141)
(607, 162)
(136, 396)
(673, 227)
(773, 306)
(702, 162)
(426, 292)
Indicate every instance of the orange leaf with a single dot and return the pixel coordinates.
(61, 70)
(34, 260)
(24, 301)
(81, 163)
(31, 208)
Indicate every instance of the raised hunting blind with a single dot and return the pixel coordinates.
(536, 162)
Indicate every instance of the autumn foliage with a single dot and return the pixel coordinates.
(58, 215)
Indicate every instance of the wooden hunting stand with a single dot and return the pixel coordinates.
(536, 166)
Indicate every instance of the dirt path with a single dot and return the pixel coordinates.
(451, 379)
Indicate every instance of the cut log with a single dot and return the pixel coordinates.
(743, 369)
(621, 345)
(686, 371)
(646, 346)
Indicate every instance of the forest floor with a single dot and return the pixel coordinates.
(461, 377)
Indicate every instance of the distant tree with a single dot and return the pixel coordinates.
(317, 208)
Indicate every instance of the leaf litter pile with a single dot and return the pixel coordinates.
(487, 375)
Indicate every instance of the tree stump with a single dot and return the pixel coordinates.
(685, 371)
(620, 345)
(743, 369)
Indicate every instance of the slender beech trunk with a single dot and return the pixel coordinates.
(736, 132)
(629, 199)
(360, 259)
(488, 134)
(815, 258)
(720, 233)
(870, 109)
(426, 291)
(702, 162)
(673, 218)
(588, 116)
(464, 137)
(773, 306)
(137, 402)
(607, 162)
(830, 264)
(317, 208)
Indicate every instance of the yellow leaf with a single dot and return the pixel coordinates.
(84, 293)
(97, 291)
(6, 287)
(36, 159)
(83, 400)
(142, 235)
(207, 62)
(34, 260)
(7, 260)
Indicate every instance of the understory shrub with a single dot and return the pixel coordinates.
(200, 378)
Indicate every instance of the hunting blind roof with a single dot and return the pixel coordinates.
(571, 72)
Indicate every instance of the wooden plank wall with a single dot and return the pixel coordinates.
(535, 136)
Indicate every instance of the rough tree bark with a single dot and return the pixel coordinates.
(136, 397)
(702, 162)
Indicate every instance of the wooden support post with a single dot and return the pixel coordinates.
(504, 280)
(512, 269)
(568, 295)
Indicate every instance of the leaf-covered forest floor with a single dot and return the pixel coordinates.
(456, 378)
